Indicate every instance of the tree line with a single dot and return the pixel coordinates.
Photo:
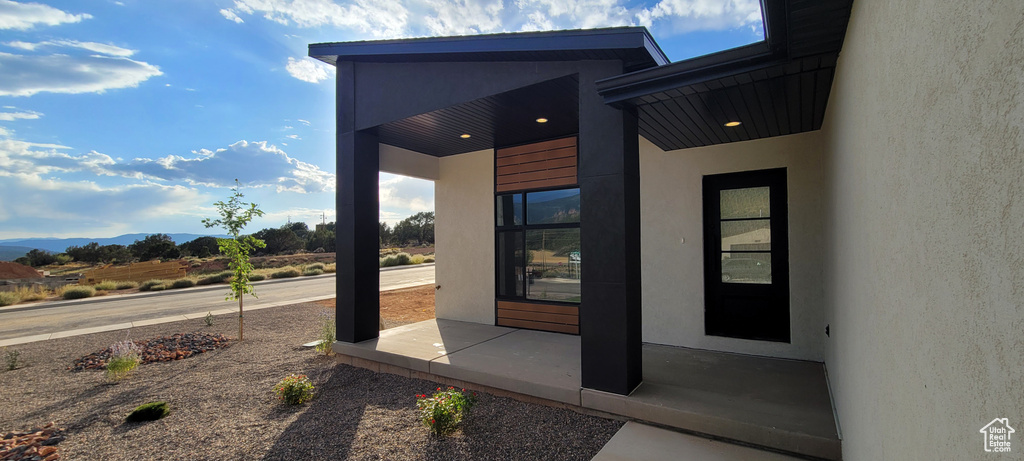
(288, 239)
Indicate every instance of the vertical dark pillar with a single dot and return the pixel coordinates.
(358, 277)
(609, 177)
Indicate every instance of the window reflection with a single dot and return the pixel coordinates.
(509, 210)
(553, 207)
(553, 264)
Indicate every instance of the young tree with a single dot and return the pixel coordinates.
(234, 216)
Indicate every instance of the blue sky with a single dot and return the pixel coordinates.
(136, 115)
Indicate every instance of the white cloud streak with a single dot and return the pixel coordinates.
(95, 47)
(26, 75)
(231, 16)
(20, 115)
(309, 69)
(22, 16)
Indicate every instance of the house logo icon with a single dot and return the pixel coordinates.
(997, 435)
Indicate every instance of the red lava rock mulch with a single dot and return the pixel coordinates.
(36, 444)
(174, 347)
(9, 270)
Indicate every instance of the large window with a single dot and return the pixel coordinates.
(746, 255)
(538, 245)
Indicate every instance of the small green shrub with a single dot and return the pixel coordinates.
(148, 285)
(327, 332)
(308, 272)
(208, 319)
(331, 268)
(79, 292)
(257, 277)
(183, 283)
(124, 357)
(399, 259)
(158, 288)
(8, 298)
(294, 389)
(282, 274)
(443, 411)
(428, 259)
(106, 285)
(33, 293)
(127, 285)
(416, 259)
(151, 411)
(12, 359)
(403, 259)
(320, 266)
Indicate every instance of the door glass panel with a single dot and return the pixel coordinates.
(510, 264)
(752, 202)
(747, 268)
(747, 235)
(509, 209)
(553, 206)
(553, 264)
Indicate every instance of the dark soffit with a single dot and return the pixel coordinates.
(776, 87)
(501, 120)
(634, 46)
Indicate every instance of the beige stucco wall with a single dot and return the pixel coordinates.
(925, 229)
(672, 241)
(408, 163)
(464, 237)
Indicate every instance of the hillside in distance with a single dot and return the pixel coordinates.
(55, 245)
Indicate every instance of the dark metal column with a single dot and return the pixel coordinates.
(609, 177)
(358, 277)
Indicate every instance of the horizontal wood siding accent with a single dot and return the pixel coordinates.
(538, 165)
(553, 327)
(546, 317)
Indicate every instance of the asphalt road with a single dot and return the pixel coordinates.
(97, 312)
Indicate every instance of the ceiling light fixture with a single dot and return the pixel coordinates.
(732, 124)
(542, 120)
(464, 136)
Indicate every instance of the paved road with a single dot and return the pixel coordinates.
(97, 312)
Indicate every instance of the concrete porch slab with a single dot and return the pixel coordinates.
(640, 442)
(776, 403)
(535, 363)
(413, 346)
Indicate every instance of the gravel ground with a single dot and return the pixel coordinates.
(222, 405)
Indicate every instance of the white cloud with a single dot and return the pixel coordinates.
(464, 17)
(20, 115)
(22, 16)
(293, 136)
(304, 122)
(402, 196)
(26, 75)
(379, 18)
(691, 15)
(231, 16)
(103, 48)
(309, 70)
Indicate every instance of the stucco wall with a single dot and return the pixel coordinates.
(925, 200)
(464, 237)
(408, 163)
(673, 270)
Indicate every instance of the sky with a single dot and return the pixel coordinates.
(135, 116)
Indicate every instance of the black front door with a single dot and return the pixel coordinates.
(746, 255)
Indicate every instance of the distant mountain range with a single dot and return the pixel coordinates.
(11, 249)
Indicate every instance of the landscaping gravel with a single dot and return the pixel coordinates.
(223, 406)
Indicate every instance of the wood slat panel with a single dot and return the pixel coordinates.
(538, 175)
(565, 152)
(537, 184)
(537, 166)
(537, 147)
(553, 327)
(539, 317)
(546, 308)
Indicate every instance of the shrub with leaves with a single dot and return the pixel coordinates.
(151, 411)
(444, 411)
(124, 357)
(33, 293)
(149, 284)
(8, 298)
(208, 319)
(287, 273)
(309, 272)
(327, 332)
(126, 285)
(79, 292)
(294, 389)
(320, 266)
(106, 285)
(183, 283)
(257, 277)
(12, 359)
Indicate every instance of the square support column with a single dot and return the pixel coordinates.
(358, 273)
(609, 178)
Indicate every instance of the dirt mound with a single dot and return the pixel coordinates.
(17, 271)
(175, 347)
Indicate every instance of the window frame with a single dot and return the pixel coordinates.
(747, 310)
(523, 229)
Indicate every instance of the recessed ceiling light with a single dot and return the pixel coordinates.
(542, 120)
(464, 136)
(732, 124)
